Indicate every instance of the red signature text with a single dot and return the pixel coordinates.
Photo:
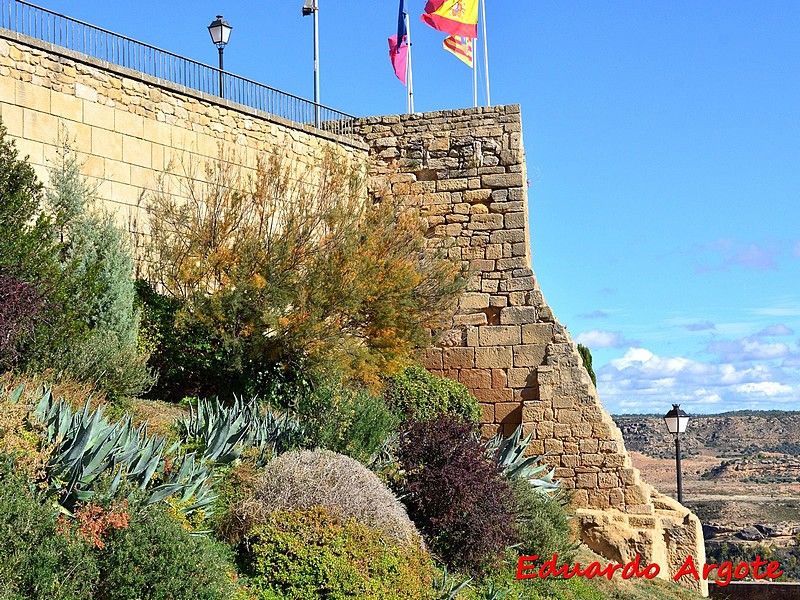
(724, 572)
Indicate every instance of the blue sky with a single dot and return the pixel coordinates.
(663, 148)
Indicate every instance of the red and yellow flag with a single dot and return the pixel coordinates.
(456, 17)
(460, 46)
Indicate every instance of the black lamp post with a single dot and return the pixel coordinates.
(676, 421)
(220, 33)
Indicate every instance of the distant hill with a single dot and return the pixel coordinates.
(734, 434)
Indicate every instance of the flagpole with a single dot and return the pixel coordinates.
(409, 70)
(474, 75)
(316, 64)
(485, 52)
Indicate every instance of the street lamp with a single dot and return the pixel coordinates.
(220, 32)
(676, 421)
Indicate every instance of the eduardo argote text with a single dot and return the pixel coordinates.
(723, 573)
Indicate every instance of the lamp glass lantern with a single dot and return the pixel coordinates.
(220, 31)
(676, 420)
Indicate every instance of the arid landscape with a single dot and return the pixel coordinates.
(741, 475)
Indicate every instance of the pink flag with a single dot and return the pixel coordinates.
(398, 53)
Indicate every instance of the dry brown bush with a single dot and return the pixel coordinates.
(19, 439)
(304, 479)
(61, 385)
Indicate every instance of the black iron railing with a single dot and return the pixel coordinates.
(59, 30)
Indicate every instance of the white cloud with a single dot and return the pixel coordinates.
(721, 255)
(595, 314)
(700, 326)
(642, 381)
(788, 308)
(595, 339)
(749, 349)
(764, 388)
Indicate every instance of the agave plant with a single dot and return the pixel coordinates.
(447, 586)
(509, 453)
(223, 431)
(14, 397)
(494, 592)
(88, 446)
(219, 430)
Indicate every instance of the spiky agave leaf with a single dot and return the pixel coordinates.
(509, 454)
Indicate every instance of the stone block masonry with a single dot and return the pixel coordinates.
(465, 172)
(128, 128)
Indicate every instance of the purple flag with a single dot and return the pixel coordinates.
(398, 54)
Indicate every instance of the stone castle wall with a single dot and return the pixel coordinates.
(464, 170)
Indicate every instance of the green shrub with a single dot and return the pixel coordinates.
(586, 358)
(80, 264)
(540, 523)
(156, 558)
(346, 420)
(305, 479)
(35, 561)
(416, 393)
(312, 554)
(190, 359)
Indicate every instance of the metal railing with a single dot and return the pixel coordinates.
(59, 30)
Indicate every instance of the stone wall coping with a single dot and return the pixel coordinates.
(462, 112)
(179, 89)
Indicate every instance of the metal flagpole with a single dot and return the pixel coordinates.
(409, 71)
(316, 63)
(485, 53)
(312, 8)
(474, 75)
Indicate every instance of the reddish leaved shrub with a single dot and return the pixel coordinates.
(454, 494)
(20, 304)
(94, 522)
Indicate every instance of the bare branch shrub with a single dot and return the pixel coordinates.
(283, 264)
(305, 479)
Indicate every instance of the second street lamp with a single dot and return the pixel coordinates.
(676, 421)
(220, 33)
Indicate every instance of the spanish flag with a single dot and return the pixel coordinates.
(456, 17)
(460, 46)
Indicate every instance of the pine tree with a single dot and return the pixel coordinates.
(97, 267)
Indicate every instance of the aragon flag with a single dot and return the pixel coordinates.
(460, 46)
(456, 17)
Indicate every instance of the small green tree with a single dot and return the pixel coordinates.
(67, 302)
(586, 357)
(99, 334)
